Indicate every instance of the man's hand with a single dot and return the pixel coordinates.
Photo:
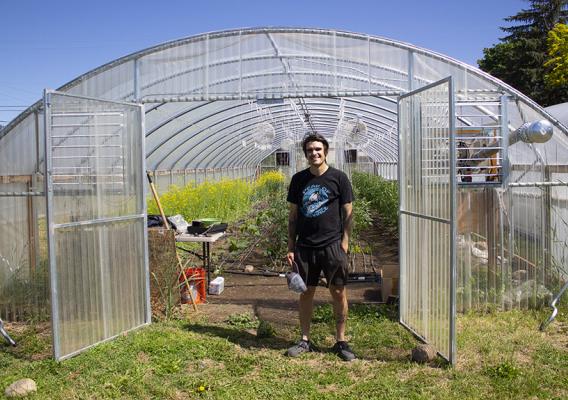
(345, 245)
(290, 258)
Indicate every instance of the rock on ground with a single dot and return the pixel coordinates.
(423, 353)
(21, 388)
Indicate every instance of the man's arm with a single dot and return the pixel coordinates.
(347, 225)
(292, 220)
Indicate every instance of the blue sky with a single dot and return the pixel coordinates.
(45, 44)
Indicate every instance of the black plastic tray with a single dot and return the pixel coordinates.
(203, 230)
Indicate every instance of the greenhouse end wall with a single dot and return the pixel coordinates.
(511, 250)
(193, 87)
(24, 267)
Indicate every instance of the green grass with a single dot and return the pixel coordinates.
(501, 356)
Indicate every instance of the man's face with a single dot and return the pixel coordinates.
(315, 152)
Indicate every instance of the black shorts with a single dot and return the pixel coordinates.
(332, 260)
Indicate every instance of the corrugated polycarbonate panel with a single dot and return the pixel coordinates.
(23, 270)
(427, 207)
(15, 254)
(535, 233)
(100, 278)
(558, 236)
(19, 148)
(117, 83)
(483, 272)
(96, 220)
(526, 241)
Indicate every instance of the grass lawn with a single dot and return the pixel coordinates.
(500, 356)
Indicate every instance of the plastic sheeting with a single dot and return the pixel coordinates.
(208, 92)
(427, 216)
(99, 277)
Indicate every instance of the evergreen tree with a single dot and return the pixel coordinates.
(520, 58)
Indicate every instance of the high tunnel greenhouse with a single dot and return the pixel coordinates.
(482, 171)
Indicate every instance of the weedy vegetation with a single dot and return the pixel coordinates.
(500, 355)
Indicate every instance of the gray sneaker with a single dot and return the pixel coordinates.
(303, 346)
(344, 352)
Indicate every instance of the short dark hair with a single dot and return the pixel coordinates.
(314, 137)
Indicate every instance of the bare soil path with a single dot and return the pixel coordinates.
(268, 297)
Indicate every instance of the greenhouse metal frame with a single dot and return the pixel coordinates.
(220, 104)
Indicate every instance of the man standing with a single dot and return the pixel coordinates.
(319, 224)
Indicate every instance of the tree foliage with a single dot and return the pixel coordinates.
(520, 58)
(557, 64)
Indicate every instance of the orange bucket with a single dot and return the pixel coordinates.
(196, 279)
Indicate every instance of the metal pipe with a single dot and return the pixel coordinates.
(5, 334)
(530, 132)
(21, 194)
(268, 95)
(537, 184)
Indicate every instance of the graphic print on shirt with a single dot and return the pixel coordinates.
(314, 200)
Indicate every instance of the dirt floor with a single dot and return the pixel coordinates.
(269, 298)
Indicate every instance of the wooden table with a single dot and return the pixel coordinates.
(206, 248)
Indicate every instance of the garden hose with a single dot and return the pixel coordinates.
(554, 309)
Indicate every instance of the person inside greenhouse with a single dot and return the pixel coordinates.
(319, 223)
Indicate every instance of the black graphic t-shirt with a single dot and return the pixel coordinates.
(319, 200)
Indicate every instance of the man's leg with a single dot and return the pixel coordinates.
(306, 306)
(340, 309)
(341, 348)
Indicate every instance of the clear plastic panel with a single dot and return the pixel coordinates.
(96, 207)
(277, 61)
(95, 146)
(100, 281)
(426, 207)
(23, 266)
(116, 83)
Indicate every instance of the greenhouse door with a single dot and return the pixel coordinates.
(96, 224)
(427, 215)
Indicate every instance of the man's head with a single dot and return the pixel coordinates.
(315, 148)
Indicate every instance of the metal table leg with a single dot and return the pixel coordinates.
(208, 258)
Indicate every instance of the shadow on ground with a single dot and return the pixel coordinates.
(244, 338)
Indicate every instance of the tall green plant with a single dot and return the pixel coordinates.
(273, 223)
(381, 194)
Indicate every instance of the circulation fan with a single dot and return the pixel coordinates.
(354, 131)
(263, 136)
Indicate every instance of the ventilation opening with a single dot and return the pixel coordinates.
(350, 156)
(282, 158)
